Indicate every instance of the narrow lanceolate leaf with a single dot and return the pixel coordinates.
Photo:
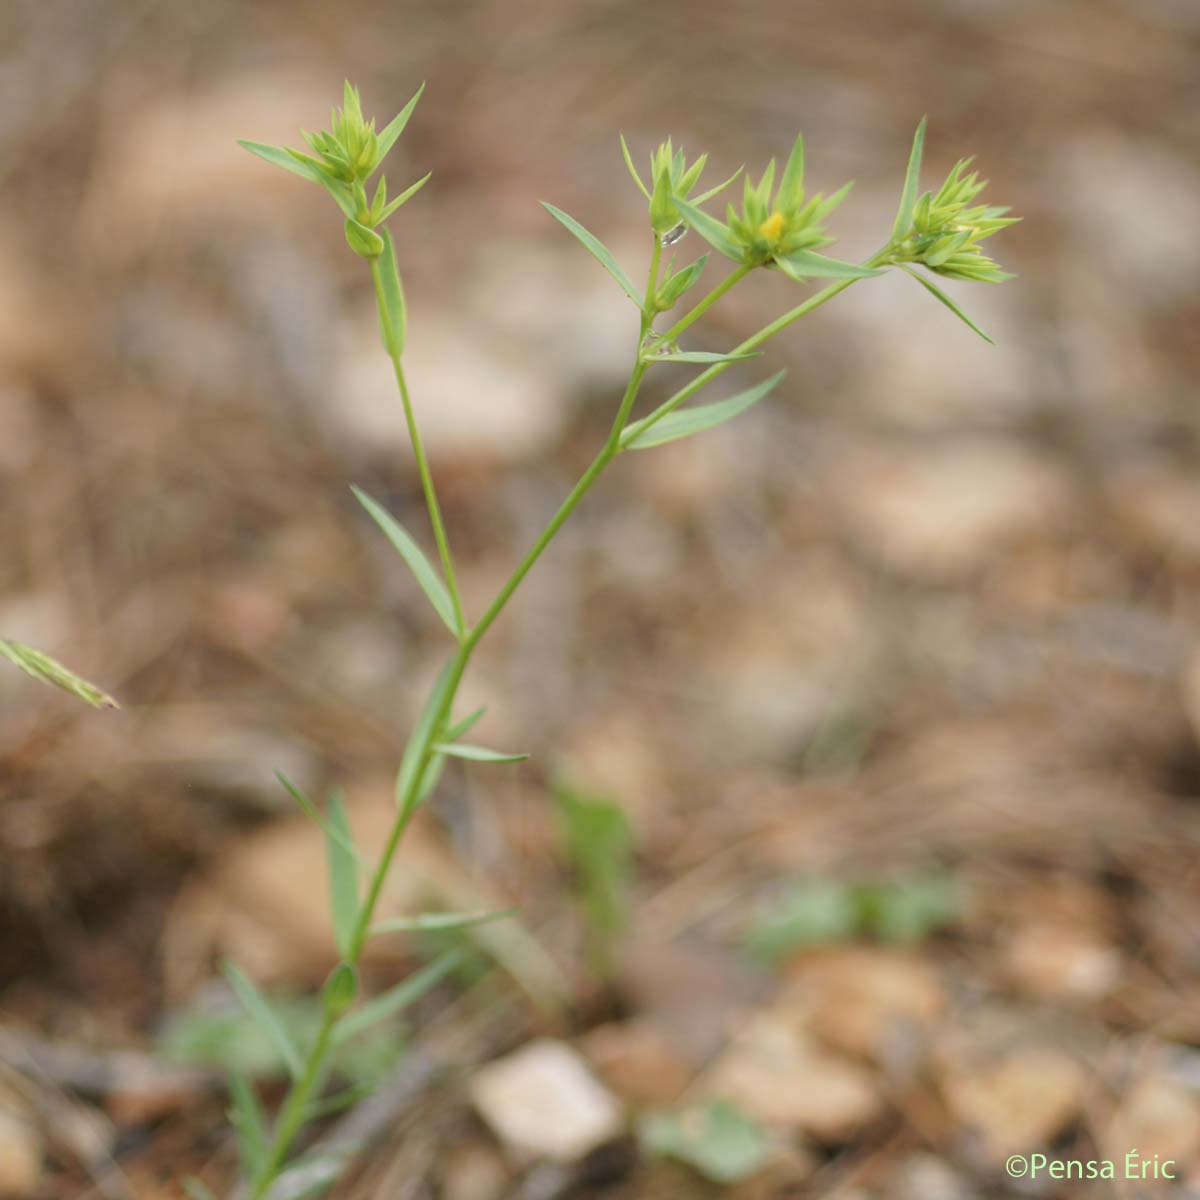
(410, 789)
(343, 875)
(404, 197)
(465, 725)
(247, 1118)
(791, 185)
(395, 127)
(438, 922)
(393, 314)
(310, 810)
(280, 156)
(807, 264)
(699, 356)
(197, 1189)
(632, 169)
(430, 778)
(430, 581)
(908, 196)
(709, 228)
(477, 753)
(255, 1003)
(597, 249)
(303, 165)
(48, 670)
(394, 1001)
(686, 421)
(937, 292)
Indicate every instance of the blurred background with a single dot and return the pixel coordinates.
(864, 731)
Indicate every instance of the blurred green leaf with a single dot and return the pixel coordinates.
(810, 913)
(599, 848)
(247, 1118)
(47, 670)
(395, 1000)
(477, 753)
(718, 1139)
(911, 907)
(343, 874)
(428, 922)
(698, 356)
(197, 1189)
(310, 810)
(816, 912)
(465, 725)
(256, 1006)
(414, 750)
(430, 581)
(684, 422)
(597, 249)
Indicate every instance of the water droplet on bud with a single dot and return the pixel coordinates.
(673, 235)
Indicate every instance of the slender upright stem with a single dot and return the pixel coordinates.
(414, 433)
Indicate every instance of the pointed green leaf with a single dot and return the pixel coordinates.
(632, 169)
(246, 1117)
(937, 292)
(699, 356)
(418, 741)
(404, 197)
(395, 1000)
(197, 1189)
(807, 264)
(395, 127)
(310, 810)
(48, 670)
(791, 186)
(431, 777)
(597, 249)
(684, 422)
(709, 228)
(430, 581)
(477, 753)
(465, 725)
(255, 1003)
(393, 318)
(706, 196)
(438, 922)
(281, 156)
(908, 196)
(343, 874)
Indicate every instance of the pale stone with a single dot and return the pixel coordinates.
(543, 1102)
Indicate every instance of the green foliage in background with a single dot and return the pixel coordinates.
(717, 1139)
(599, 848)
(815, 912)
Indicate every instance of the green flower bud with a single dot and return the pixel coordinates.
(363, 241)
(340, 989)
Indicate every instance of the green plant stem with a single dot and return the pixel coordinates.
(293, 1114)
(414, 433)
(755, 340)
(689, 319)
